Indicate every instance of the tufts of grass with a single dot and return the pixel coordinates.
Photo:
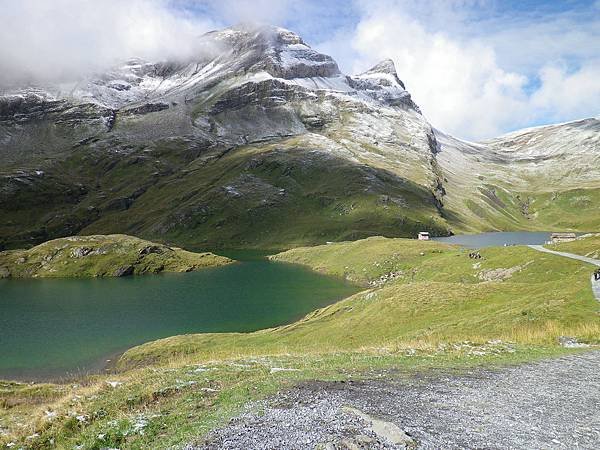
(170, 405)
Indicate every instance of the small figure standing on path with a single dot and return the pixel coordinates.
(597, 275)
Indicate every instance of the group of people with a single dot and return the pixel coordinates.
(597, 275)
(475, 255)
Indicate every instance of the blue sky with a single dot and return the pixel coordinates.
(477, 68)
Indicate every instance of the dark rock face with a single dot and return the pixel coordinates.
(305, 63)
(124, 203)
(124, 271)
(150, 250)
(119, 86)
(268, 93)
(120, 204)
(314, 122)
(280, 52)
(147, 108)
(80, 252)
(28, 107)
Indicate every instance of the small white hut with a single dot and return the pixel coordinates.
(424, 235)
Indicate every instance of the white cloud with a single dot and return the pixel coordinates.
(57, 39)
(458, 84)
(476, 68)
(53, 39)
(474, 78)
(527, 43)
(564, 94)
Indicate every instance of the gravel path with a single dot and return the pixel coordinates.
(540, 248)
(553, 404)
(596, 262)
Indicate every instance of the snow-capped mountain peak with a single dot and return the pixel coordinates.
(245, 54)
(275, 50)
(384, 71)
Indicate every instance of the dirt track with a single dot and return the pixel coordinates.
(552, 404)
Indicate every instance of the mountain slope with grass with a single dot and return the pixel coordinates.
(543, 178)
(222, 151)
(421, 294)
(260, 141)
(101, 256)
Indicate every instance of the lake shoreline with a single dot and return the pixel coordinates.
(47, 321)
(106, 363)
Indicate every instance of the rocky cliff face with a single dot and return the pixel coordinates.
(225, 149)
(241, 66)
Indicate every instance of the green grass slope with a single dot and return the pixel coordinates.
(423, 294)
(278, 194)
(367, 260)
(499, 207)
(273, 195)
(586, 245)
(101, 256)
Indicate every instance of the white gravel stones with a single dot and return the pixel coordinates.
(551, 404)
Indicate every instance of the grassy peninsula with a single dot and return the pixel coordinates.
(101, 256)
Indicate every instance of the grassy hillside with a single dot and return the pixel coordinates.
(514, 294)
(500, 207)
(587, 245)
(281, 194)
(171, 405)
(366, 261)
(101, 256)
(427, 307)
(256, 196)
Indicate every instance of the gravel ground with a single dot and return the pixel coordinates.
(552, 404)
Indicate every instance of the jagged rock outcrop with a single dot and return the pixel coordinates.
(382, 83)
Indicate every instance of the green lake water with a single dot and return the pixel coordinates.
(60, 327)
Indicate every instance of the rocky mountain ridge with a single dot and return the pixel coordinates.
(240, 55)
(258, 129)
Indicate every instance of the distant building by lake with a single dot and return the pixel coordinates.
(557, 238)
(424, 236)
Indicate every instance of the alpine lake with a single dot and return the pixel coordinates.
(58, 328)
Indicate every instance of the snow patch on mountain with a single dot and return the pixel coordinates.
(247, 54)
